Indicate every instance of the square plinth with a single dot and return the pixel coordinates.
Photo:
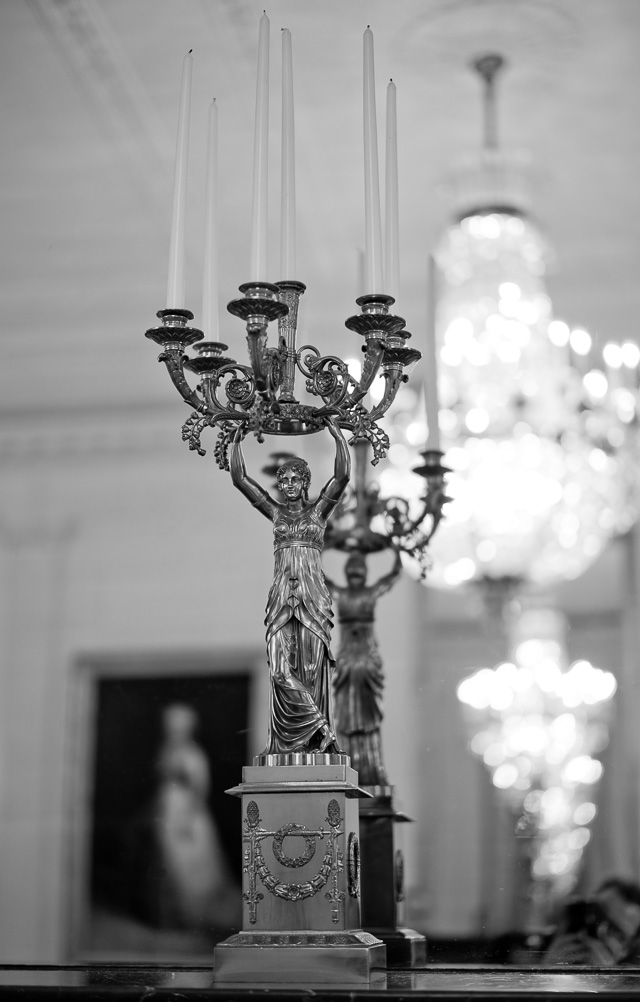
(300, 880)
(301, 849)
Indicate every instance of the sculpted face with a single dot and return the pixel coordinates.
(291, 484)
(356, 573)
(293, 479)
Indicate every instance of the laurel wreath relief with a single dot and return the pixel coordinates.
(256, 865)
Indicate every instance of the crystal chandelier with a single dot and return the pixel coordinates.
(541, 430)
(539, 725)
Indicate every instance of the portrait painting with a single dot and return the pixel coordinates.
(158, 838)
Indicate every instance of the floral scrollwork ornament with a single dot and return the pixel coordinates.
(256, 867)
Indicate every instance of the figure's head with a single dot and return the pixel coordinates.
(355, 569)
(179, 720)
(293, 478)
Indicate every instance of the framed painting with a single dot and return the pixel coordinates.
(156, 868)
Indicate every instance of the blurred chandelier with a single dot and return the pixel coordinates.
(542, 433)
(539, 725)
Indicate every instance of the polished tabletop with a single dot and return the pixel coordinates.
(190, 984)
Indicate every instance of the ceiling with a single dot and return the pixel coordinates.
(89, 94)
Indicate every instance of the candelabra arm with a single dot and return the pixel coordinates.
(393, 378)
(257, 347)
(381, 331)
(372, 360)
(259, 305)
(435, 497)
(431, 505)
(174, 335)
(362, 512)
(174, 359)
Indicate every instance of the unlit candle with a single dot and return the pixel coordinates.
(373, 227)
(176, 275)
(210, 305)
(288, 188)
(392, 259)
(259, 220)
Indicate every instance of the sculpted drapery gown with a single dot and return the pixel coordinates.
(298, 614)
(359, 677)
(298, 620)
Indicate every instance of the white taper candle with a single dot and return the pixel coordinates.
(373, 227)
(392, 259)
(288, 188)
(176, 274)
(259, 219)
(210, 281)
(430, 360)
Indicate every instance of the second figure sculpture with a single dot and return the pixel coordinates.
(359, 677)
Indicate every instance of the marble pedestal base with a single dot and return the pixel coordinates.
(301, 879)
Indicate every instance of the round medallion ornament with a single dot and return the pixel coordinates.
(238, 390)
(398, 873)
(353, 864)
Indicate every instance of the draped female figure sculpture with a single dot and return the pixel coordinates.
(359, 678)
(299, 615)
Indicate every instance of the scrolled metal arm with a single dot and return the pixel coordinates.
(174, 359)
(327, 375)
(370, 368)
(431, 505)
(258, 356)
(393, 379)
(240, 390)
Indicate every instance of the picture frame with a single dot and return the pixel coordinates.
(155, 853)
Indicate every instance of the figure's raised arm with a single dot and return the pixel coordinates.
(335, 488)
(385, 583)
(245, 484)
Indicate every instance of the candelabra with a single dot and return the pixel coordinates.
(366, 523)
(261, 396)
(302, 786)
